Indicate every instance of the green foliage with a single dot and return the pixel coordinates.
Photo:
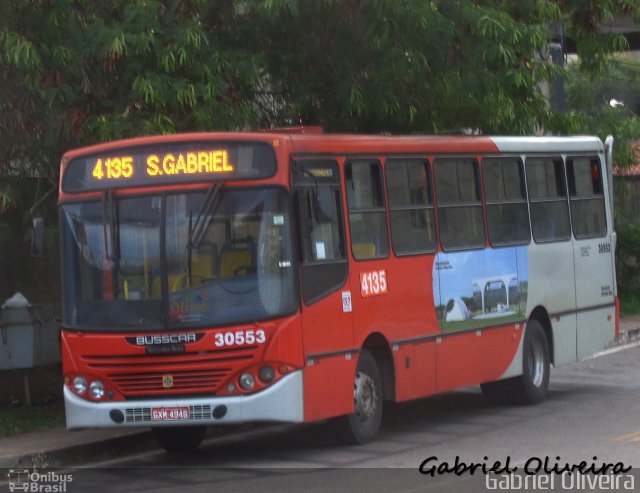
(79, 72)
(415, 66)
(589, 111)
(21, 420)
(20, 52)
(628, 255)
(46, 410)
(629, 304)
(37, 278)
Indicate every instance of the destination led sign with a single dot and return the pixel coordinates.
(169, 164)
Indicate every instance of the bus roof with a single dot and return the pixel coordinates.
(459, 144)
(580, 143)
(314, 141)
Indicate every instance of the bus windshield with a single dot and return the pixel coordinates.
(182, 260)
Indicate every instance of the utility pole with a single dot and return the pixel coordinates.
(557, 57)
(557, 52)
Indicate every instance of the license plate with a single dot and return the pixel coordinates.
(169, 413)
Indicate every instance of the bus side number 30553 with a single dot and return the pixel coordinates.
(240, 337)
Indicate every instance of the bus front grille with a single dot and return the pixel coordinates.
(141, 375)
(139, 384)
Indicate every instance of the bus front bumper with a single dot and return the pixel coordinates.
(280, 402)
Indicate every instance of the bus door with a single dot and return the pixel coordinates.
(327, 331)
(593, 251)
(551, 263)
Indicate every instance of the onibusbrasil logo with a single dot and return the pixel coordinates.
(38, 482)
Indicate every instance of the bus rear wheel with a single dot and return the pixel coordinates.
(533, 385)
(179, 438)
(363, 424)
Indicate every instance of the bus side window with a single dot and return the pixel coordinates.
(586, 197)
(460, 214)
(322, 237)
(548, 200)
(506, 199)
(318, 204)
(367, 215)
(411, 210)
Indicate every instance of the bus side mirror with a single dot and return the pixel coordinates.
(37, 237)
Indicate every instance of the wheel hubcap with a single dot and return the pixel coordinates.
(536, 364)
(365, 397)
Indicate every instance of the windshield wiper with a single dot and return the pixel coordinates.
(110, 220)
(198, 228)
(111, 234)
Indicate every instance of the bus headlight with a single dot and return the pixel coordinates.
(96, 389)
(267, 374)
(79, 384)
(246, 381)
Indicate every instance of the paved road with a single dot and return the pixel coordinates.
(593, 410)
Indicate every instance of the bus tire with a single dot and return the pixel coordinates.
(363, 424)
(532, 386)
(179, 438)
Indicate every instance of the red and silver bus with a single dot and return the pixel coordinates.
(295, 276)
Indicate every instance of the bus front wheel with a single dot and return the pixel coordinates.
(363, 424)
(179, 438)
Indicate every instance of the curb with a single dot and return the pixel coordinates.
(627, 337)
(129, 444)
(75, 455)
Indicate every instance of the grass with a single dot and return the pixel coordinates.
(629, 304)
(23, 419)
(45, 390)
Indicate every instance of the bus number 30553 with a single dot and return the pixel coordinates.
(240, 337)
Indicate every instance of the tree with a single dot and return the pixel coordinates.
(78, 72)
(589, 109)
(416, 66)
(75, 72)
